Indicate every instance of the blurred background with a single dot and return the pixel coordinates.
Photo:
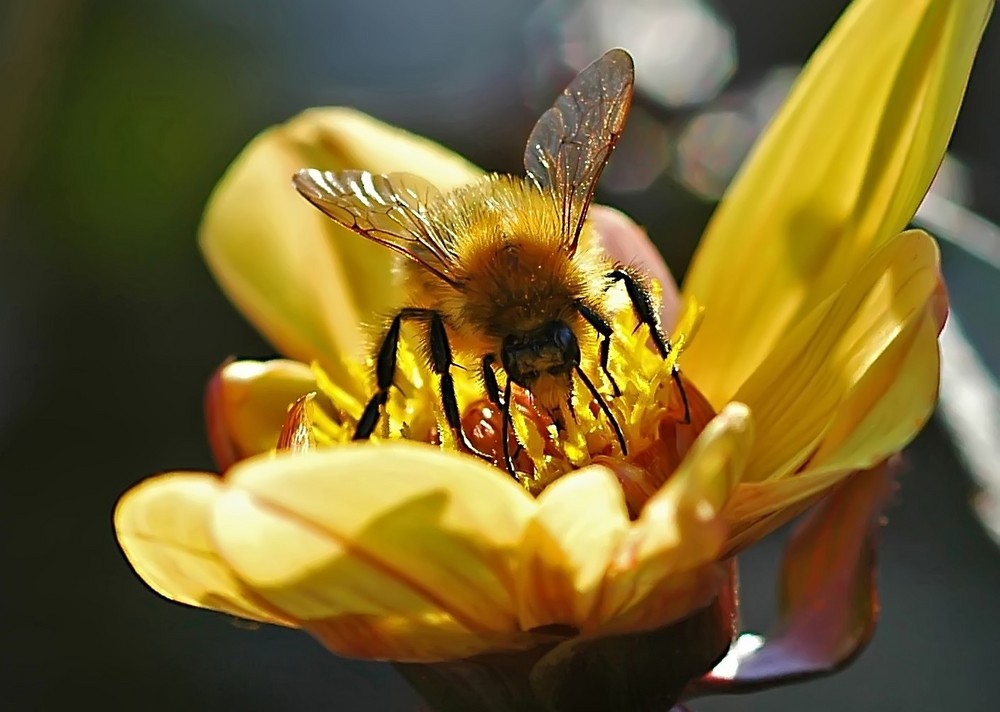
(116, 121)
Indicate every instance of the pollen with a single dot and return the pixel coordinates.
(649, 409)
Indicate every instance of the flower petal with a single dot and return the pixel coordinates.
(567, 548)
(246, 403)
(828, 597)
(302, 280)
(430, 639)
(877, 419)
(839, 171)
(796, 393)
(665, 567)
(162, 526)
(889, 405)
(396, 529)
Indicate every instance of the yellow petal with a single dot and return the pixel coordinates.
(162, 526)
(890, 404)
(796, 392)
(246, 403)
(665, 566)
(567, 547)
(669, 598)
(398, 529)
(839, 171)
(408, 639)
(302, 280)
(884, 412)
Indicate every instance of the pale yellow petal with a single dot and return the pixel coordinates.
(302, 280)
(410, 639)
(567, 548)
(669, 599)
(743, 534)
(839, 171)
(890, 404)
(355, 140)
(884, 412)
(162, 526)
(796, 392)
(378, 530)
(665, 566)
(246, 403)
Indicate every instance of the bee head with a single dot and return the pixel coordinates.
(551, 349)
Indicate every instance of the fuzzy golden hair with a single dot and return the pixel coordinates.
(513, 272)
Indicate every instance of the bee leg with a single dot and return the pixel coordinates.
(604, 407)
(493, 393)
(385, 371)
(490, 380)
(602, 327)
(645, 309)
(441, 364)
(505, 432)
(676, 375)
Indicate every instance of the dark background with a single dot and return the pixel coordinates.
(117, 118)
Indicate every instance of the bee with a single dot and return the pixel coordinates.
(504, 272)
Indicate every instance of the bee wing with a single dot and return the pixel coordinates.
(388, 209)
(571, 143)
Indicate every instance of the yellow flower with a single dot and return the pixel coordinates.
(816, 357)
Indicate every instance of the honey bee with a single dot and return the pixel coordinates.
(503, 272)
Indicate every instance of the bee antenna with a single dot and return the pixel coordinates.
(604, 407)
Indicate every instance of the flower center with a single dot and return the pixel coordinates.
(649, 410)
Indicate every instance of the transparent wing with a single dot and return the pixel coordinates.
(571, 143)
(388, 209)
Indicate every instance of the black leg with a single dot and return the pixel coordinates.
(604, 407)
(604, 329)
(441, 364)
(504, 432)
(645, 309)
(493, 393)
(490, 380)
(385, 369)
(676, 375)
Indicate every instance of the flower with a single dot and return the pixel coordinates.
(816, 358)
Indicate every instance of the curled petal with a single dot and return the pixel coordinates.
(396, 529)
(567, 548)
(796, 394)
(297, 432)
(302, 280)
(246, 404)
(665, 567)
(828, 601)
(886, 409)
(162, 526)
(828, 183)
